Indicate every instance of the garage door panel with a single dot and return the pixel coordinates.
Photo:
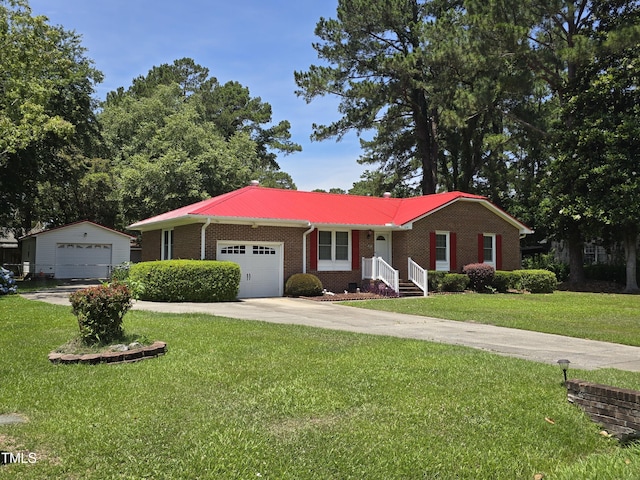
(261, 267)
(83, 260)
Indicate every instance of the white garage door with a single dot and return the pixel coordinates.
(83, 260)
(261, 267)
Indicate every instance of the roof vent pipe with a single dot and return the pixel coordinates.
(386, 195)
(254, 183)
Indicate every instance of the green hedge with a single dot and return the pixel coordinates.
(440, 281)
(454, 282)
(503, 281)
(534, 281)
(435, 279)
(186, 280)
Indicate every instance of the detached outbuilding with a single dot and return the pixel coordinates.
(78, 250)
(343, 239)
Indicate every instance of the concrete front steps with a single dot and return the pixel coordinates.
(409, 289)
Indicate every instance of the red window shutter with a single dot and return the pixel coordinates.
(432, 250)
(498, 252)
(480, 248)
(355, 249)
(453, 258)
(313, 250)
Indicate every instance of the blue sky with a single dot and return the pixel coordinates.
(259, 43)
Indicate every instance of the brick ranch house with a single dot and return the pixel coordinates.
(342, 239)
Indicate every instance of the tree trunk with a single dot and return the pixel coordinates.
(576, 258)
(630, 250)
(426, 143)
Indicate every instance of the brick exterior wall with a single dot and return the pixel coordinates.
(466, 219)
(339, 281)
(186, 241)
(291, 237)
(151, 243)
(615, 409)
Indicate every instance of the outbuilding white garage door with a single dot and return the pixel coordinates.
(261, 267)
(83, 260)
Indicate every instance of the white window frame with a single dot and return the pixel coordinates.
(492, 260)
(443, 265)
(166, 250)
(334, 265)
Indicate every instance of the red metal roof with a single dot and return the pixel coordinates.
(255, 203)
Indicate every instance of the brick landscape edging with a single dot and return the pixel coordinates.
(616, 409)
(135, 355)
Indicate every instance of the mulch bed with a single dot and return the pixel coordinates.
(342, 297)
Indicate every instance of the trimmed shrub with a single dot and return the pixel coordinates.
(535, 281)
(303, 285)
(480, 276)
(186, 280)
(120, 273)
(100, 310)
(435, 279)
(454, 282)
(7, 282)
(502, 281)
(547, 261)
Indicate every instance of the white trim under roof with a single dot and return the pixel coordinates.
(259, 222)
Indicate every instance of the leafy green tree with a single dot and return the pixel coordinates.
(604, 107)
(83, 190)
(46, 106)
(229, 107)
(177, 136)
(554, 40)
(485, 99)
(447, 106)
(272, 178)
(377, 68)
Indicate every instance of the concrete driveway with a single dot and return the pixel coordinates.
(539, 347)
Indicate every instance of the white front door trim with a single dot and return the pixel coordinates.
(382, 248)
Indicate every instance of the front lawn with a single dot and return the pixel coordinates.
(244, 399)
(606, 317)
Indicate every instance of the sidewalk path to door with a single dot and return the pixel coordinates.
(539, 347)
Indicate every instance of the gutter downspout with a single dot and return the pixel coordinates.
(304, 246)
(203, 237)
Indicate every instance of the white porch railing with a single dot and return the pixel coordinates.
(418, 275)
(377, 269)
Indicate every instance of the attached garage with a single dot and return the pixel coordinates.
(78, 250)
(261, 267)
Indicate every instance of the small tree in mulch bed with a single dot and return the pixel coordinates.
(100, 311)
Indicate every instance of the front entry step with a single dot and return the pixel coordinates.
(409, 289)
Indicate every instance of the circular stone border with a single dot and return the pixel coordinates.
(154, 350)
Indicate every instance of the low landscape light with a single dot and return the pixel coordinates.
(563, 363)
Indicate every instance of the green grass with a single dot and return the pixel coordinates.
(610, 318)
(243, 399)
